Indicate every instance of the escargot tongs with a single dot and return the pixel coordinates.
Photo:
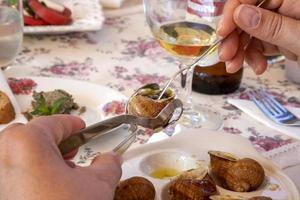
(169, 115)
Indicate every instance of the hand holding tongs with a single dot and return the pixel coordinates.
(166, 117)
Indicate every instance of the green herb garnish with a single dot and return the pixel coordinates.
(12, 2)
(43, 109)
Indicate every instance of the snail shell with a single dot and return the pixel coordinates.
(260, 198)
(240, 175)
(230, 197)
(135, 188)
(192, 185)
(144, 102)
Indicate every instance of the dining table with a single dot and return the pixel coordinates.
(124, 55)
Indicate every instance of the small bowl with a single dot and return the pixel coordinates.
(170, 163)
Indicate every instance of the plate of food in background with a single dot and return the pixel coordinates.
(41, 96)
(53, 17)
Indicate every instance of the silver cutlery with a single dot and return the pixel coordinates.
(126, 143)
(169, 115)
(273, 109)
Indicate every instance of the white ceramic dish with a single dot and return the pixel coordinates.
(85, 94)
(94, 97)
(87, 16)
(4, 87)
(195, 144)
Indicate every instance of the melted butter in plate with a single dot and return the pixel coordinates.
(163, 173)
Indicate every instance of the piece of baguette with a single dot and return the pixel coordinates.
(7, 112)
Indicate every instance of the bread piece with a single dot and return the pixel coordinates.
(7, 112)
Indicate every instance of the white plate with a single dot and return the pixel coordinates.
(94, 97)
(85, 94)
(86, 14)
(196, 144)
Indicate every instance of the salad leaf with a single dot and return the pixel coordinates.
(56, 106)
(43, 109)
(12, 2)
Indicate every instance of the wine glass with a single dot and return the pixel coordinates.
(11, 30)
(185, 30)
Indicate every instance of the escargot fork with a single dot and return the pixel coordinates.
(163, 119)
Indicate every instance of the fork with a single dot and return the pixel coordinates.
(127, 142)
(273, 109)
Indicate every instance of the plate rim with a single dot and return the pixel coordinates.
(71, 80)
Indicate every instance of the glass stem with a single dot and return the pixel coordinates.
(185, 87)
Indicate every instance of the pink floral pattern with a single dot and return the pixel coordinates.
(124, 55)
(232, 130)
(78, 70)
(148, 48)
(133, 80)
(21, 86)
(114, 108)
(119, 23)
(266, 143)
(279, 96)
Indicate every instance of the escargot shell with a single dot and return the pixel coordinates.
(144, 102)
(194, 184)
(230, 197)
(240, 175)
(135, 188)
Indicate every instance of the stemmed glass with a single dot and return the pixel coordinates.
(11, 30)
(186, 36)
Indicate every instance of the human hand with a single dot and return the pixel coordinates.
(32, 168)
(273, 33)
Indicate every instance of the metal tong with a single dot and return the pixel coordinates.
(165, 118)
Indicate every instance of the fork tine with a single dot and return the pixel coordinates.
(285, 113)
(125, 144)
(274, 101)
(264, 103)
(259, 103)
(266, 98)
(271, 108)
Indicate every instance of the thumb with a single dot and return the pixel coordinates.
(107, 167)
(269, 26)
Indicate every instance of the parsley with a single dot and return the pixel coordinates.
(12, 2)
(43, 109)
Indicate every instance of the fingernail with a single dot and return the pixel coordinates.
(221, 54)
(257, 71)
(249, 16)
(230, 68)
(219, 27)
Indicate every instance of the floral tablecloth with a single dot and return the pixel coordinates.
(124, 55)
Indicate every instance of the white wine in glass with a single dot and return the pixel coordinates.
(185, 39)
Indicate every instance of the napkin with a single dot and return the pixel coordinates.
(251, 109)
(285, 156)
(4, 87)
(111, 3)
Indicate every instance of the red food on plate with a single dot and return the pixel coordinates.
(34, 22)
(47, 13)
(67, 12)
